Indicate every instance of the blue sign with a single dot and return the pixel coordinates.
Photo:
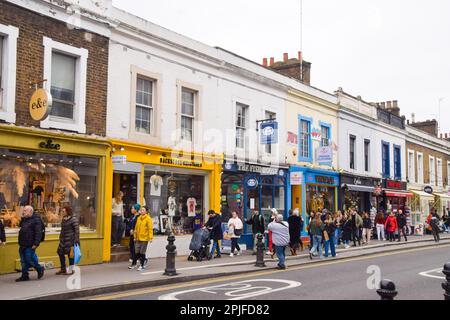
(269, 132)
(251, 182)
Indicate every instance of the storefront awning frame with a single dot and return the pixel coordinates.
(353, 187)
(397, 194)
(442, 196)
(423, 194)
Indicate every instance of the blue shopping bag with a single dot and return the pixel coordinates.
(76, 254)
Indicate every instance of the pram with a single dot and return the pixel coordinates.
(199, 245)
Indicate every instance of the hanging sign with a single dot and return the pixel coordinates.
(269, 132)
(296, 178)
(428, 189)
(325, 155)
(40, 104)
(316, 134)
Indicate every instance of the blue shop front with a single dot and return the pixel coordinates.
(248, 187)
(312, 190)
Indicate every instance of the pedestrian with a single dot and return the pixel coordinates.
(316, 229)
(68, 238)
(308, 227)
(258, 227)
(30, 237)
(132, 224)
(338, 219)
(447, 223)
(329, 234)
(2, 234)
(409, 229)
(280, 238)
(235, 229)
(273, 216)
(367, 228)
(357, 224)
(295, 229)
(380, 222)
(391, 226)
(346, 231)
(434, 223)
(214, 225)
(117, 219)
(401, 220)
(143, 235)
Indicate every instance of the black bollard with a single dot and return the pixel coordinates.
(260, 247)
(170, 259)
(446, 284)
(387, 290)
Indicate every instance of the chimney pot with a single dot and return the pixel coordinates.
(300, 56)
(265, 62)
(286, 57)
(395, 103)
(272, 61)
(383, 105)
(389, 105)
(441, 135)
(446, 136)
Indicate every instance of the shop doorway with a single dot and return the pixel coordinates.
(128, 184)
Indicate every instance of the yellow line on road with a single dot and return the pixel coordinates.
(257, 274)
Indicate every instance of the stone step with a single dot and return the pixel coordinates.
(120, 257)
(120, 249)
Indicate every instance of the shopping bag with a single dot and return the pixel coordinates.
(226, 236)
(77, 254)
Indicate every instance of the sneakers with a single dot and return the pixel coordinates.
(23, 279)
(346, 246)
(141, 268)
(133, 266)
(269, 253)
(41, 273)
(238, 253)
(231, 255)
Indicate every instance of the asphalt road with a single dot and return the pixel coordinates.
(329, 280)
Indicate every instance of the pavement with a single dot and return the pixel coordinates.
(115, 277)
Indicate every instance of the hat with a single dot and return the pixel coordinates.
(137, 207)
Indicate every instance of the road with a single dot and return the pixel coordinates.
(416, 272)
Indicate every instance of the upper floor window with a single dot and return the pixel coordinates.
(397, 162)
(448, 173)
(63, 85)
(411, 167)
(367, 155)
(325, 141)
(305, 140)
(187, 114)
(440, 182)
(420, 171)
(386, 161)
(269, 115)
(352, 152)
(432, 171)
(241, 124)
(144, 105)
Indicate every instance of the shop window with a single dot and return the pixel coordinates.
(63, 85)
(440, 183)
(241, 124)
(420, 171)
(366, 155)
(397, 162)
(8, 59)
(187, 114)
(386, 162)
(326, 134)
(47, 182)
(144, 105)
(319, 198)
(411, 167)
(352, 152)
(232, 196)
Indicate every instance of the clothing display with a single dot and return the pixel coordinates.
(191, 204)
(156, 183)
(172, 206)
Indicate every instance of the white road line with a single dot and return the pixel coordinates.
(427, 274)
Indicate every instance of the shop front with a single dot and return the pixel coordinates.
(422, 203)
(50, 171)
(358, 192)
(395, 196)
(312, 190)
(442, 203)
(178, 188)
(249, 187)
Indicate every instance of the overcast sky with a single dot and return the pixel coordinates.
(379, 49)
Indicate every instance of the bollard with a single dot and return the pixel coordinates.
(387, 290)
(260, 247)
(170, 259)
(446, 284)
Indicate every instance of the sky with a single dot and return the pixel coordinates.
(382, 50)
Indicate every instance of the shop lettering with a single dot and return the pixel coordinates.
(258, 169)
(394, 184)
(49, 145)
(179, 162)
(40, 104)
(325, 180)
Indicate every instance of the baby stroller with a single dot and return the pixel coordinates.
(200, 245)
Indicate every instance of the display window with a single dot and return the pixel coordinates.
(175, 201)
(319, 198)
(232, 196)
(47, 182)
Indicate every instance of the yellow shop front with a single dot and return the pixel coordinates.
(50, 170)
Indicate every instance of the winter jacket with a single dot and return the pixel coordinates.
(30, 233)
(295, 229)
(257, 223)
(237, 225)
(316, 228)
(367, 223)
(357, 221)
(215, 224)
(70, 234)
(391, 224)
(143, 231)
(401, 220)
(330, 229)
(2, 232)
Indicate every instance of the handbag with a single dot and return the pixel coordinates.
(325, 236)
(76, 254)
(226, 236)
(238, 232)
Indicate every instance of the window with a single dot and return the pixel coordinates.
(440, 183)
(63, 85)
(269, 115)
(352, 151)
(241, 124)
(386, 160)
(448, 173)
(187, 114)
(144, 105)
(325, 142)
(1, 70)
(397, 162)
(432, 171)
(367, 155)
(420, 172)
(305, 140)
(411, 167)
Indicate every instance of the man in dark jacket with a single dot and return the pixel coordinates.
(401, 220)
(30, 236)
(2, 234)
(258, 227)
(214, 225)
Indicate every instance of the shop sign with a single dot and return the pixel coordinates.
(316, 134)
(396, 185)
(252, 182)
(50, 145)
(119, 159)
(292, 138)
(428, 189)
(296, 178)
(267, 171)
(325, 155)
(180, 162)
(325, 180)
(40, 104)
(269, 132)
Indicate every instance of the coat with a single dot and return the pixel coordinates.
(391, 224)
(30, 233)
(257, 223)
(70, 234)
(401, 220)
(2, 232)
(295, 229)
(143, 231)
(215, 225)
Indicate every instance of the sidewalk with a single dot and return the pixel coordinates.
(115, 277)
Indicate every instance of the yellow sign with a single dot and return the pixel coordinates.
(40, 104)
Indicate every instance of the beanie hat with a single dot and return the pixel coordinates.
(137, 207)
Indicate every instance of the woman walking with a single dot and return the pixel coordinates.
(367, 228)
(391, 226)
(295, 229)
(235, 228)
(143, 235)
(316, 229)
(380, 222)
(338, 223)
(68, 238)
(132, 224)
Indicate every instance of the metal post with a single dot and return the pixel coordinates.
(387, 290)
(446, 284)
(170, 258)
(260, 247)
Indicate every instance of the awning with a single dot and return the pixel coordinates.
(353, 187)
(423, 194)
(442, 195)
(398, 194)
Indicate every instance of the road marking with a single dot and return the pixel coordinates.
(236, 291)
(427, 274)
(258, 274)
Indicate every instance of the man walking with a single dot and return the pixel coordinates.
(258, 227)
(401, 220)
(30, 237)
(280, 239)
(214, 225)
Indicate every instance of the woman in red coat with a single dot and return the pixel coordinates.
(391, 226)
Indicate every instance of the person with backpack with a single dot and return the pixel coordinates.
(391, 226)
(235, 227)
(31, 234)
(401, 220)
(280, 238)
(258, 227)
(68, 238)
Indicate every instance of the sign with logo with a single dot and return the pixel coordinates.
(40, 104)
(50, 145)
(252, 182)
(119, 159)
(325, 180)
(396, 185)
(267, 171)
(428, 189)
(296, 178)
(325, 155)
(316, 134)
(269, 132)
(292, 138)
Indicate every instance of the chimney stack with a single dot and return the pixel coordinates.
(383, 105)
(272, 61)
(413, 118)
(446, 136)
(265, 62)
(441, 136)
(395, 104)
(389, 105)
(300, 56)
(285, 57)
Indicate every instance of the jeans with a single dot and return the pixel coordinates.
(117, 230)
(400, 231)
(214, 247)
(317, 245)
(28, 258)
(281, 254)
(380, 232)
(356, 237)
(235, 245)
(390, 236)
(62, 260)
(337, 236)
(331, 243)
(133, 254)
